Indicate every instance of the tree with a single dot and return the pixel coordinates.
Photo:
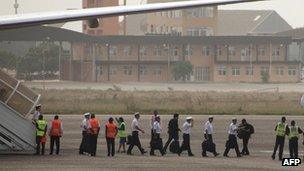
(182, 70)
(265, 77)
(8, 60)
(38, 59)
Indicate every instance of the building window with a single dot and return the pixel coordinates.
(231, 51)
(292, 70)
(236, 71)
(249, 70)
(245, 53)
(127, 70)
(157, 70)
(280, 70)
(113, 70)
(174, 51)
(152, 28)
(127, 50)
(143, 70)
(206, 12)
(143, 51)
(175, 14)
(99, 71)
(262, 51)
(276, 52)
(113, 50)
(200, 31)
(206, 51)
(218, 51)
(222, 70)
(264, 70)
(188, 50)
(157, 50)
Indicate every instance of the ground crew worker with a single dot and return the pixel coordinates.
(93, 131)
(155, 114)
(156, 142)
(186, 137)
(208, 131)
(245, 131)
(111, 132)
(85, 126)
(281, 130)
(122, 134)
(55, 133)
(232, 139)
(293, 136)
(41, 129)
(37, 113)
(135, 139)
(173, 131)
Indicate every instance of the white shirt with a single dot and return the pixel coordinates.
(208, 128)
(156, 127)
(186, 127)
(134, 124)
(85, 125)
(36, 115)
(152, 120)
(232, 129)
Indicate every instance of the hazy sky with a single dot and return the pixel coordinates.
(291, 10)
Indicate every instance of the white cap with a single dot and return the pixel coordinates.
(211, 117)
(234, 118)
(86, 114)
(188, 118)
(38, 105)
(136, 113)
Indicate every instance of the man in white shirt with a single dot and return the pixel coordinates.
(208, 144)
(232, 139)
(156, 142)
(37, 113)
(135, 139)
(155, 114)
(186, 137)
(85, 127)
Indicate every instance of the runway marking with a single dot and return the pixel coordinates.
(285, 152)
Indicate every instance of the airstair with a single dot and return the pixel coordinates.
(17, 132)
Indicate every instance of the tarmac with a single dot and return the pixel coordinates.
(260, 146)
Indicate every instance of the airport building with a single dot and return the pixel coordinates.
(214, 59)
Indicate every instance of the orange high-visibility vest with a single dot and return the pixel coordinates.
(94, 126)
(56, 128)
(111, 130)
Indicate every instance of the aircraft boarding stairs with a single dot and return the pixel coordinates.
(17, 132)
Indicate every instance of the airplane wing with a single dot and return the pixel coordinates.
(24, 20)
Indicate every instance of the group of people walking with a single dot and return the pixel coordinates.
(90, 127)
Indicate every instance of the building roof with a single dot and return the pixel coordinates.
(57, 34)
(297, 33)
(250, 22)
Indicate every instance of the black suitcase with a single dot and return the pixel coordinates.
(229, 144)
(129, 140)
(174, 147)
(210, 146)
(157, 144)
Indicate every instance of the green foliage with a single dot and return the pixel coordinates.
(265, 77)
(182, 70)
(38, 59)
(7, 60)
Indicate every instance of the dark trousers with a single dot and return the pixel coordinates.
(245, 150)
(55, 140)
(171, 137)
(185, 144)
(84, 143)
(111, 146)
(38, 144)
(159, 146)
(210, 143)
(279, 143)
(93, 144)
(135, 142)
(293, 147)
(232, 139)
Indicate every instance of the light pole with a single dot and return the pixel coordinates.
(16, 6)
(44, 57)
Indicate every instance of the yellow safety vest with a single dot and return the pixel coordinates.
(122, 133)
(293, 132)
(41, 127)
(281, 129)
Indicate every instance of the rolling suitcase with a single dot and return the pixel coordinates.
(174, 147)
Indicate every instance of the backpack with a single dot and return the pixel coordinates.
(174, 147)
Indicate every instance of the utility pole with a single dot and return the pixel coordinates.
(125, 21)
(16, 6)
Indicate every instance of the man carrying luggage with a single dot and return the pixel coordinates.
(156, 143)
(173, 131)
(208, 144)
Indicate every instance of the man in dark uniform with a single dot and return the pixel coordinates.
(245, 131)
(294, 132)
(281, 130)
(172, 131)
